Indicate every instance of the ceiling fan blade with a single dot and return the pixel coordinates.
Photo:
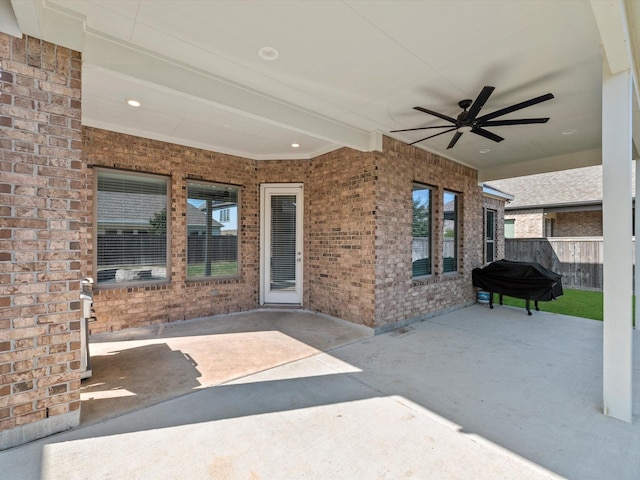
(454, 140)
(479, 103)
(515, 121)
(487, 134)
(513, 108)
(426, 138)
(436, 114)
(418, 128)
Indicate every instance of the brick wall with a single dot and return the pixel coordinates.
(41, 218)
(341, 228)
(528, 223)
(358, 218)
(578, 224)
(398, 297)
(126, 307)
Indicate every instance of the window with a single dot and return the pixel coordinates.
(421, 243)
(548, 227)
(212, 246)
(450, 233)
(510, 228)
(132, 227)
(490, 236)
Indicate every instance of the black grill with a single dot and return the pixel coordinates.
(527, 280)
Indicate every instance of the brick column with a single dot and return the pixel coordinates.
(40, 221)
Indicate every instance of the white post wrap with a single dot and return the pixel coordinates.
(618, 260)
(636, 214)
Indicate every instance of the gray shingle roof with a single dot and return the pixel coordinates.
(139, 208)
(567, 187)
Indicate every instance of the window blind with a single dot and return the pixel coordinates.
(132, 227)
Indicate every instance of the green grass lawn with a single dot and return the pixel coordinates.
(217, 268)
(577, 303)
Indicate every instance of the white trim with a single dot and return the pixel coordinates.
(291, 298)
(494, 192)
(617, 248)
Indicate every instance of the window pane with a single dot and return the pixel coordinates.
(421, 244)
(510, 228)
(212, 230)
(450, 233)
(132, 228)
(490, 236)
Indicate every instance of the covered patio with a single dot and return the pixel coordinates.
(321, 115)
(488, 393)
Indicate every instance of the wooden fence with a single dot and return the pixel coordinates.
(578, 260)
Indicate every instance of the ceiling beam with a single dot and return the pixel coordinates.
(618, 22)
(8, 20)
(586, 158)
(39, 19)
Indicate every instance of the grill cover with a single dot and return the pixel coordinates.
(528, 280)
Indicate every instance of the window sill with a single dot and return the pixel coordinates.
(132, 286)
(426, 280)
(193, 281)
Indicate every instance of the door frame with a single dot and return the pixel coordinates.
(266, 189)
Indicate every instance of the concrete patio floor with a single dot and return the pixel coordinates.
(475, 393)
(141, 367)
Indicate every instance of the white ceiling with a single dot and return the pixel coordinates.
(346, 71)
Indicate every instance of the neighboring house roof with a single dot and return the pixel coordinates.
(196, 216)
(139, 208)
(579, 186)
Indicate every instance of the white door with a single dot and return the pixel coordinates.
(281, 243)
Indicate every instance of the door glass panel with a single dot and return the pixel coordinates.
(283, 243)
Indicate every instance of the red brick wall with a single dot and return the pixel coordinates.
(578, 224)
(358, 219)
(398, 297)
(126, 307)
(341, 227)
(41, 218)
(528, 223)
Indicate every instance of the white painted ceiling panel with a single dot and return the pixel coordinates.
(345, 69)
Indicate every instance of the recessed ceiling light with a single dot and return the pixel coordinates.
(569, 132)
(133, 103)
(295, 145)
(268, 53)
(485, 150)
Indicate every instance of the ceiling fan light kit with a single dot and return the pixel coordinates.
(468, 120)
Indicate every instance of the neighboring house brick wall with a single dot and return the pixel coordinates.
(528, 223)
(42, 218)
(578, 224)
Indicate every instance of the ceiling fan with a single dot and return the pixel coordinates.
(468, 120)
